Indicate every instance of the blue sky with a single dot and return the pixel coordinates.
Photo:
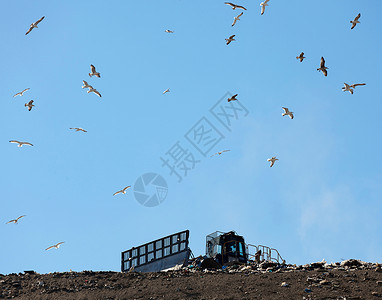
(321, 200)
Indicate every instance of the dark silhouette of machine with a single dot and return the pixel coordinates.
(222, 249)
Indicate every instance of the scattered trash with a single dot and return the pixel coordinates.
(284, 284)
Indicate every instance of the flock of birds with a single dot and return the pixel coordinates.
(347, 87)
(30, 105)
(322, 68)
(15, 221)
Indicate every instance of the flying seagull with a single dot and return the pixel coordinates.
(55, 246)
(350, 87)
(123, 191)
(232, 98)
(272, 160)
(169, 31)
(230, 39)
(220, 152)
(166, 91)
(21, 93)
(78, 129)
(15, 220)
(237, 19)
(263, 5)
(94, 72)
(234, 6)
(301, 56)
(287, 112)
(20, 143)
(93, 90)
(34, 25)
(86, 85)
(29, 105)
(355, 21)
(322, 67)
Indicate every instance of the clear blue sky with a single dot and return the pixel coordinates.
(322, 199)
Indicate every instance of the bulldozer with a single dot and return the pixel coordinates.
(222, 249)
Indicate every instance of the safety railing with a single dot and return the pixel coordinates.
(269, 254)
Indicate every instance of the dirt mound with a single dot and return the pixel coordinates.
(347, 280)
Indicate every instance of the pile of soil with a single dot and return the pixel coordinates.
(351, 279)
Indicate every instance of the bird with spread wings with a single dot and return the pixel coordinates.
(233, 98)
(34, 25)
(220, 152)
(272, 160)
(301, 56)
(78, 129)
(20, 144)
(21, 93)
(123, 191)
(263, 5)
(29, 105)
(287, 112)
(55, 246)
(237, 18)
(234, 6)
(322, 67)
(230, 39)
(355, 21)
(15, 220)
(94, 72)
(350, 87)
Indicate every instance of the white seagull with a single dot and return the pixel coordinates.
(350, 87)
(15, 220)
(287, 112)
(123, 191)
(94, 72)
(230, 39)
(220, 152)
(34, 25)
(29, 105)
(93, 90)
(237, 18)
(263, 5)
(55, 246)
(21, 93)
(301, 56)
(78, 129)
(86, 85)
(234, 6)
(355, 21)
(322, 67)
(233, 98)
(169, 31)
(166, 91)
(20, 144)
(272, 160)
